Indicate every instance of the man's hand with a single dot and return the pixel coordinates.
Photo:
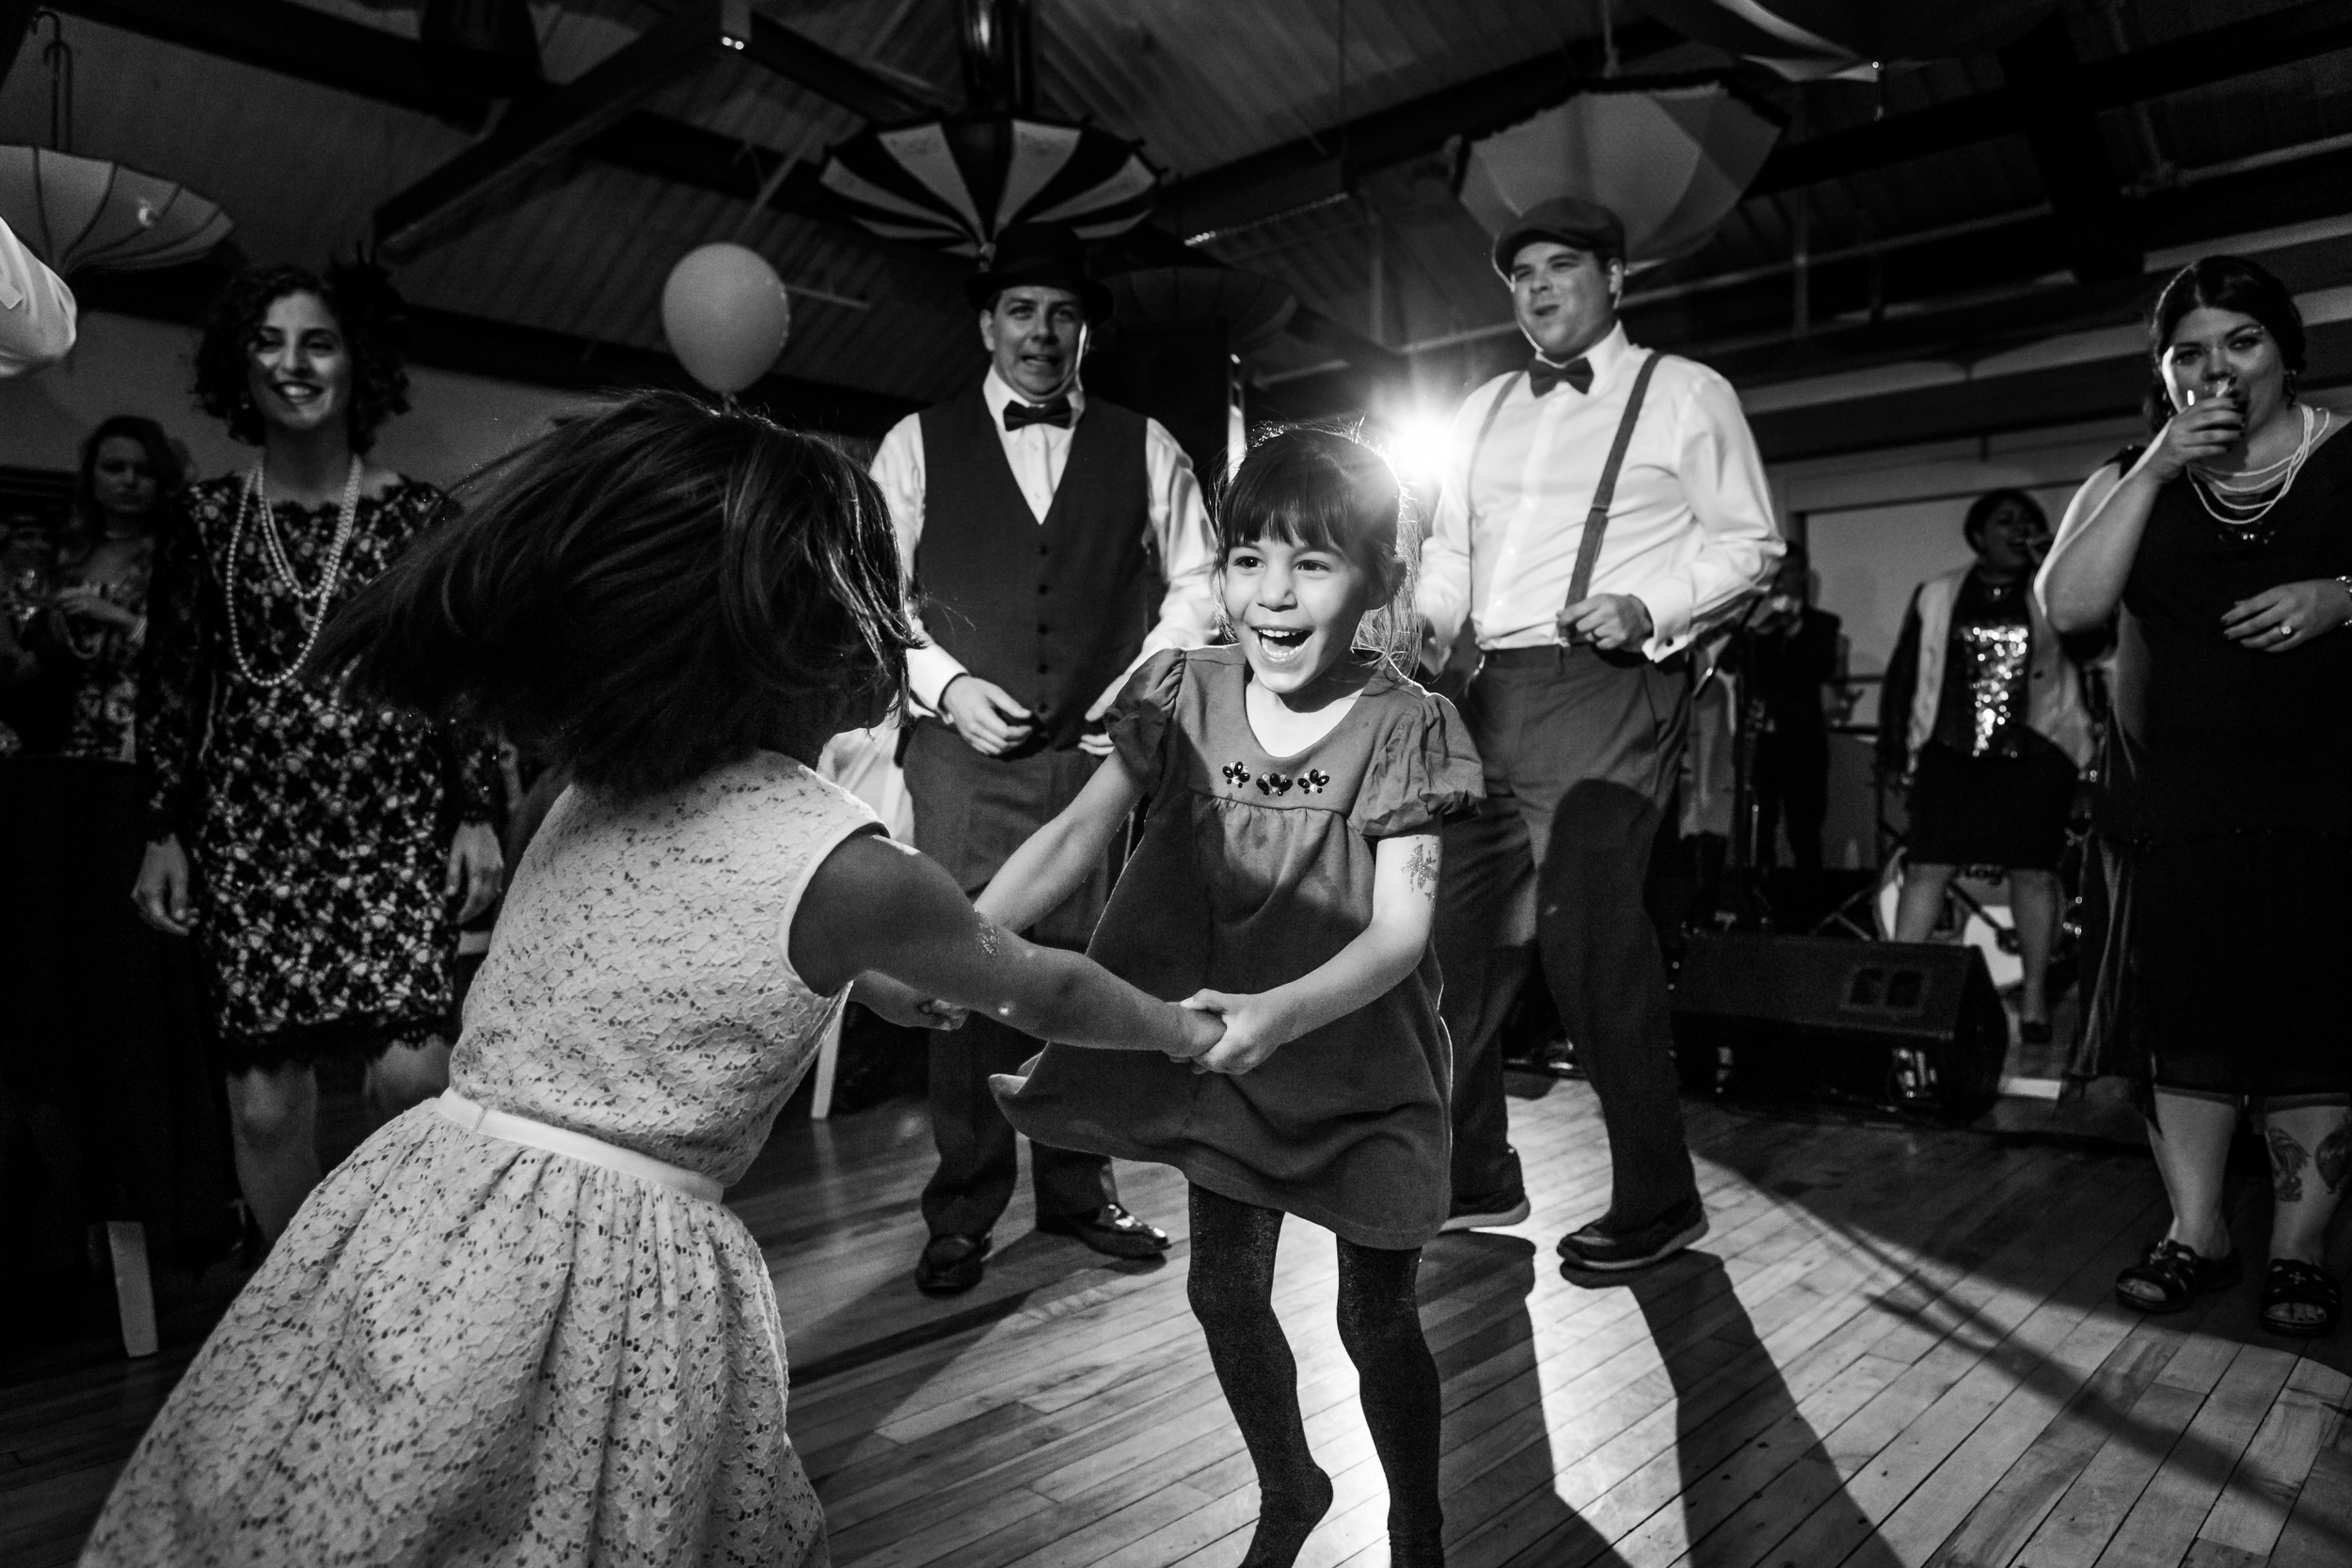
(477, 870)
(1608, 621)
(984, 714)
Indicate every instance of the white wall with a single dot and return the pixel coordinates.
(124, 365)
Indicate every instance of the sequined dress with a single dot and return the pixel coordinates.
(466, 1350)
(318, 831)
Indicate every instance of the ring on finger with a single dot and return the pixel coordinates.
(2286, 628)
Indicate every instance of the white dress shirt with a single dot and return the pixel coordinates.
(35, 310)
(1181, 535)
(1691, 530)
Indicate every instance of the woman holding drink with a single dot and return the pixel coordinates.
(2224, 810)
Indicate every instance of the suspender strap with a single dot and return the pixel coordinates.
(1485, 427)
(1597, 520)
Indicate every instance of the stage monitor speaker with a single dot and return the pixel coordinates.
(1908, 1026)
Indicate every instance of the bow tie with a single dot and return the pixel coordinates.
(1542, 376)
(1018, 413)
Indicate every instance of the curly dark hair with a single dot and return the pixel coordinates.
(642, 595)
(364, 304)
(1985, 507)
(2222, 283)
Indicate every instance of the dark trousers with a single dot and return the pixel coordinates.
(1580, 752)
(978, 1159)
(1792, 791)
(971, 813)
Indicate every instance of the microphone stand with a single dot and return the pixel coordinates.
(1745, 902)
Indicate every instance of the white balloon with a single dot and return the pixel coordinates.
(725, 315)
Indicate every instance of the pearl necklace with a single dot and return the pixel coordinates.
(273, 548)
(2238, 514)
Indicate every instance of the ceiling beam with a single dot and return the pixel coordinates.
(2085, 198)
(294, 41)
(2216, 55)
(16, 21)
(1326, 163)
(805, 63)
(538, 130)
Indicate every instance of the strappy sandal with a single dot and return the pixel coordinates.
(2291, 1283)
(2178, 1275)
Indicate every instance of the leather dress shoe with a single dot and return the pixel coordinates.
(1111, 1231)
(1608, 1251)
(951, 1264)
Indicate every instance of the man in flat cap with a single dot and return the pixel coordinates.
(1598, 506)
(1055, 541)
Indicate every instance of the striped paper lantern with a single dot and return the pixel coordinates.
(957, 183)
(1670, 156)
(89, 214)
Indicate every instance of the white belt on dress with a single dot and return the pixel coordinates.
(508, 1127)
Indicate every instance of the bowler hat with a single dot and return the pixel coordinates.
(1045, 254)
(1566, 221)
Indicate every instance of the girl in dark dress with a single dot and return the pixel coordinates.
(322, 854)
(2225, 802)
(1285, 881)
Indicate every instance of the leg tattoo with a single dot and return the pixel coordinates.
(2287, 1160)
(2334, 1158)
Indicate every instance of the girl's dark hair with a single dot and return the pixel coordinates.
(1325, 488)
(2222, 283)
(642, 595)
(1982, 510)
(82, 529)
(362, 299)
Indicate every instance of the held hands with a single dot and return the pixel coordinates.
(2288, 616)
(988, 718)
(85, 601)
(1607, 621)
(1254, 1030)
(903, 1005)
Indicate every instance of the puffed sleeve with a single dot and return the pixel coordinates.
(1139, 719)
(1426, 771)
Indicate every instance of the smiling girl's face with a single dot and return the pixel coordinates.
(1295, 607)
(298, 365)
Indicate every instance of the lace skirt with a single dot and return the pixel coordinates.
(466, 1350)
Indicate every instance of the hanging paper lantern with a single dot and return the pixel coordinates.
(1253, 308)
(88, 214)
(1805, 40)
(725, 315)
(957, 183)
(1670, 157)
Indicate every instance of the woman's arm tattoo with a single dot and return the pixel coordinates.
(1421, 868)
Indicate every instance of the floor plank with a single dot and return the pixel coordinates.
(1897, 1345)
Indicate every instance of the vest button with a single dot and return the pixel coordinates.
(1044, 669)
(1041, 550)
(1045, 587)
(1042, 628)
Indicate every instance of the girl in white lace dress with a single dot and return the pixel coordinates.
(516, 1326)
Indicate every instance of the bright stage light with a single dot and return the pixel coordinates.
(1417, 447)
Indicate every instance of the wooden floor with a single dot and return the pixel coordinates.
(1897, 1346)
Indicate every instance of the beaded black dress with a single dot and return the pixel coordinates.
(318, 832)
(2224, 808)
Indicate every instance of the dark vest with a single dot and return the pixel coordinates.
(1051, 611)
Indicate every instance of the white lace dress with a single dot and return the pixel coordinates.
(470, 1350)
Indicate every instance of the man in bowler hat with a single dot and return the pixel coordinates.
(1055, 541)
(1573, 582)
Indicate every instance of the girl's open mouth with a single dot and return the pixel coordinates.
(1281, 643)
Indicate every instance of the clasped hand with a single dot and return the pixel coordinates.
(1255, 1028)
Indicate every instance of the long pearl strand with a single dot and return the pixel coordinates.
(2234, 513)
(317, 597)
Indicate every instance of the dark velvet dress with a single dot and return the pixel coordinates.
(318, 832)
(2224, 810)
(1253, 871)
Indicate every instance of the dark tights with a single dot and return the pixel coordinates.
(1231, 1288)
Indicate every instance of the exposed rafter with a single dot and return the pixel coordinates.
(2216, 55)
(2085, 198)
(541, 129)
